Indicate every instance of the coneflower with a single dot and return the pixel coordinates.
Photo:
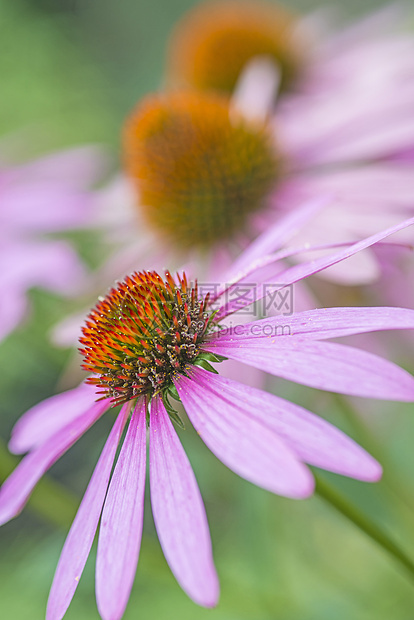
(150, 342)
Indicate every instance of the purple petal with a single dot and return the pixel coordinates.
(80, 538)
(121, 522)
(13, 310)
(17, 488)
(244, 444)
(51, 193)
(272, 239)
(33, 208)
(67, 332)
(387, 135)
(316, 325)
(298, 272)
(77, 167)
(256, 89)
(326, 366)
(313, 440)
(48, 417)
(179, 513)
(53, 265)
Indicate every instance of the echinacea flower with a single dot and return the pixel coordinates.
(395, 287)
(47, 195)
(150, 341)
(200, 169)
(342, 125)
(214, 41)
(208, 172)
(209, 179)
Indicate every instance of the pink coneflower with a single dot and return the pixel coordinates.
(208, 180)
(343, 123)
(215, 40)
(207, 171)
(151, 341)
(395, 287)
(48, 195)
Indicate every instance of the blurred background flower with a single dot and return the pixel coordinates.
(46, 196)
(71, 71)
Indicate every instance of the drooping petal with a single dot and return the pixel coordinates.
(33, 208)
(262, 270)
(80, 538)
(313, 440)
(393, 131)
(78, 167)
(47, 417)
(12, 312)
(67, 332)
(298, 272)
(316, 325)
(121, 523)
(179, 513)
(273, 238)
(17, 488)
(53, 265)
(326, 366)
(244, 444)
(51, 193)
(369, 191)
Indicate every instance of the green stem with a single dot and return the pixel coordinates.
(390, 479)
(50, 500)
(358, 518)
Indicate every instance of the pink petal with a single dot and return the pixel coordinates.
(53, 265)
(79, 167)
(80, 538)
(243, 373)
(242, 443)
(388, 133)
(179, 513)
(263, 270)
(298, 272)
(121, 523)
(273, 238)
(58, 268)
(316, 325)
(313, 440)
(12, 309)
(368, 28)
(358, 270)
(68, 331)
(45, 206)
(382, 183)
(17, 488)
(45, 419)
(256, 89)
(326, 366)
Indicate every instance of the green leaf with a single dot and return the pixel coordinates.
(212, 357)
(172, 391)
(203, 363)
(172, 413)
(204, 358)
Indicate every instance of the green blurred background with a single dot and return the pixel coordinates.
(70, 71)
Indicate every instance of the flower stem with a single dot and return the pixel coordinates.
(50, 500)
(343, 505)
(390, 478)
